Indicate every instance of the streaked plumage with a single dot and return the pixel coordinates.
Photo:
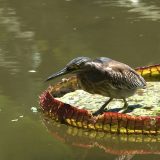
(104, 76)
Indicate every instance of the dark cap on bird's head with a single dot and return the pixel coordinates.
(74, 66)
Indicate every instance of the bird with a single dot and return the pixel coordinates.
(104, 76)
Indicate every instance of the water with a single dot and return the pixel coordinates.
(38, 37)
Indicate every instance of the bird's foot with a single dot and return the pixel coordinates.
(123, 110)
(101, 110)
(96, 113)
(125, 107)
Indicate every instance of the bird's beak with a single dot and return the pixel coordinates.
(58, 74)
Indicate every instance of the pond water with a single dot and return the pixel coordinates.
(37, 38)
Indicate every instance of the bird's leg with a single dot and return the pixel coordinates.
(125, 107)
(99, 111)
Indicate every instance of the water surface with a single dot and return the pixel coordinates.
(38, 37)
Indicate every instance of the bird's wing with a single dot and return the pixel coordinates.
(120, 77)
(115, 74)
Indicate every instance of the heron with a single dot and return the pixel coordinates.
(104, 76)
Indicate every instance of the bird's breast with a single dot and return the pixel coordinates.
(85, 83)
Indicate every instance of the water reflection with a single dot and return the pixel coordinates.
(12, 51)
(120, 146)
(38, 37)
(146, 10)
(10, 21)
(19, 55)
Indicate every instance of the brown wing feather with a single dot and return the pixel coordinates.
(115, 74)
(123, 76)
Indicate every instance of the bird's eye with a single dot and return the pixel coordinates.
(72, 67)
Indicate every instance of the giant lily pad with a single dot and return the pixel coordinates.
(67, 103)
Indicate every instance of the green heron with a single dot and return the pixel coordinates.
(104, 76)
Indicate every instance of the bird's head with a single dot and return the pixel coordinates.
(74, 66)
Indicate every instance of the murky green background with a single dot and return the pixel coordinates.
(38, 37)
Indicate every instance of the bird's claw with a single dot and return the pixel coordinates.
(123, 110)
(96, 113)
